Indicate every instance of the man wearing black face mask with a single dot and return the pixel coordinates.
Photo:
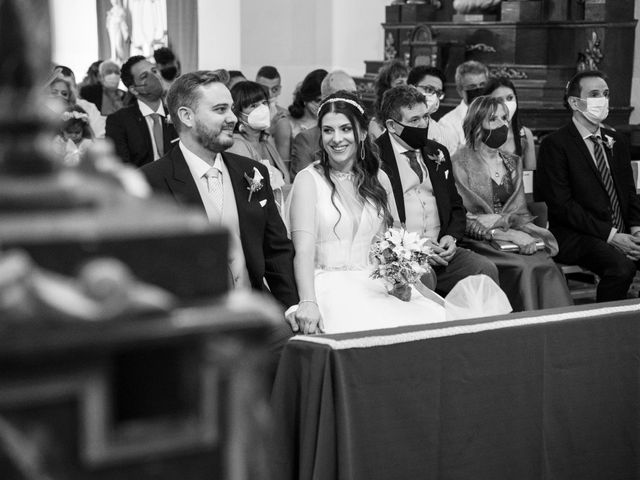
(141, 132)
(169, 66)
(471, 78)
(424, 189)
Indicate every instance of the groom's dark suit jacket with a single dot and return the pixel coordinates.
(450, 208)
(570, 184)
(267, 250)
(129, 131)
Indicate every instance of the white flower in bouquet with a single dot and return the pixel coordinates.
(400, 260)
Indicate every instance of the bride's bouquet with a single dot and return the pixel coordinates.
(400, 260)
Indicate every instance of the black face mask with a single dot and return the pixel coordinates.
(471, 94)
(496, 137)
(169, 73)
(415, 137)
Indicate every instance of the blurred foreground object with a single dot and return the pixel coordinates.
(89, 387)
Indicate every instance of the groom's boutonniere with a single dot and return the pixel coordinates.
(437, 158)
(255, 183)
(609, 142)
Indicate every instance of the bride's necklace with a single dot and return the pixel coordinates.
(342, 175)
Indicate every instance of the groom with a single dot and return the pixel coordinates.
(233, 191)
(424, 188)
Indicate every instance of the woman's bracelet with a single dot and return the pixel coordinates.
(308, 301)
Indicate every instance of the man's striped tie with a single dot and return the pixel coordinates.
(601, 163)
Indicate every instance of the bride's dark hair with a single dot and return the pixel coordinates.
(367, 163)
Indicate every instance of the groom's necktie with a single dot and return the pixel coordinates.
(214, 185)
(607, 180)
(412, 155)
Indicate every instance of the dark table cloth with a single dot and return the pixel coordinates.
(538, 395)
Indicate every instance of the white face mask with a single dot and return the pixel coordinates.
(259, 118)
(433, 103)
(512, 106)
(597, 109)
(111, 81)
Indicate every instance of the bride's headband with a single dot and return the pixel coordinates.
(346, 100)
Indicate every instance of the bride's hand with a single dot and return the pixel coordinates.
(308, 318)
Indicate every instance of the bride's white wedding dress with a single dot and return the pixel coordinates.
(349, 300)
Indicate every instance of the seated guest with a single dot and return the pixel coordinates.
(75, 136)
(91, 77)
(106, 95)
(307, 143)
(169, 66)
(520, 139)
(584, 175)
(280, 129)
(430, 81)
(251, 106)
(306, 99)
(392, 74)
(96, 119)
(424, 189)
(140, 131)
(471, 77)
(490, 184)
(235, 76)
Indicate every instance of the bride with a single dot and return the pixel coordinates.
(338, 206)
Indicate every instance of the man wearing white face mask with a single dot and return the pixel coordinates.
(430, 81)
(584, 175)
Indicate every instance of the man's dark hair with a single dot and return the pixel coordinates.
(235, 74)
(418, 73)
(184, 91)
(163, 55)
(573, 86)
(125, 72)
(268, 72)
(396, 98)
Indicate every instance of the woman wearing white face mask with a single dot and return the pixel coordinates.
(251, 106)
(520, 139)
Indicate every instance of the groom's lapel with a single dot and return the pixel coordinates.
(245, 209)
(181, 182)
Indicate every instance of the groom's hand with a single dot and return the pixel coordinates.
(308, 318)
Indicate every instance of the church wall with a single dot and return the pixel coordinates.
(219, 34)
(74, 34)
(298, 36)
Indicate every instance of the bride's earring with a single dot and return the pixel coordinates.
(362, 152)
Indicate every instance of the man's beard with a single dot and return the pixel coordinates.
(210, 140)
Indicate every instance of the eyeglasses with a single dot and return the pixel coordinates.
(429, 90)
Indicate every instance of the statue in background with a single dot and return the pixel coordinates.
(148, 26)
(118, 29)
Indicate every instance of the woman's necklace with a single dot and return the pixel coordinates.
(342, 175)
(495, 166)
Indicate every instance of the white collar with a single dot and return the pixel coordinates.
(584, 133)
(197, 165)
(145, 110)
